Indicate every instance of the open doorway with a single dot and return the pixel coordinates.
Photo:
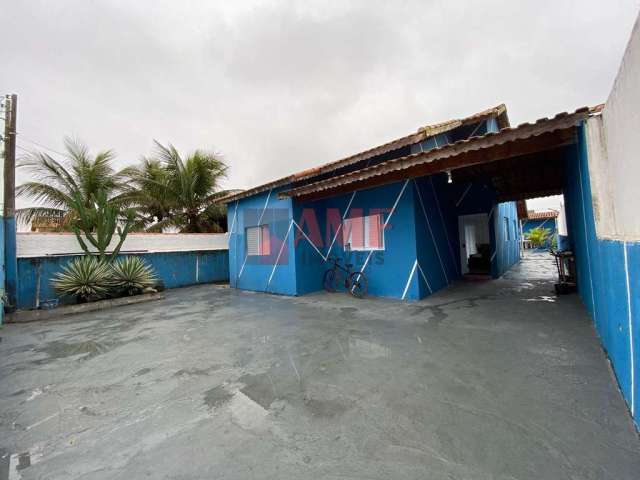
(475, 247)
(545, 241)
(542, 223)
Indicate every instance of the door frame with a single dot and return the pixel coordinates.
(464, 268)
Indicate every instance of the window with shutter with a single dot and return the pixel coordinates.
(258, 240)
(363, 233)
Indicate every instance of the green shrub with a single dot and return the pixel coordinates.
(132, 275)
(86, 278)
(538, 236)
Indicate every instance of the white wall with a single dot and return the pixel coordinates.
(615, 171)
(39, 244)
(562, 221)
(600, 179)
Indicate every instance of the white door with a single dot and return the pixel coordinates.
(470, 239)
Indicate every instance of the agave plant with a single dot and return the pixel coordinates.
(86, 278)
(132, 275)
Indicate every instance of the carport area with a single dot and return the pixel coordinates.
(490, 380)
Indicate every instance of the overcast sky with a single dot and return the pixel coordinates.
(280, 86)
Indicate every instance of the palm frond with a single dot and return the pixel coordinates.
(42, 192)
(168, 190)
(48, 170)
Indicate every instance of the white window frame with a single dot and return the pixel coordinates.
(366, 222)
(260, 229)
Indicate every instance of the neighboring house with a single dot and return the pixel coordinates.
(411, 234)
(540, 219)
(46, 224)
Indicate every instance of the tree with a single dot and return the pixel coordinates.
(60, 186)
(539, 236)
(171, 191)
(147, 189)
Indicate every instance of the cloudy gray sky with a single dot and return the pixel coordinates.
(281, 86)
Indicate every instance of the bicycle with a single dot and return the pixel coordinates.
(354, 282)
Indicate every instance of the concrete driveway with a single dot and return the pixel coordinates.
(493, 380)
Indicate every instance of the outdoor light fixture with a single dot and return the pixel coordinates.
(449, 179)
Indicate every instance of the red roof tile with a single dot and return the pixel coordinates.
(541, 214)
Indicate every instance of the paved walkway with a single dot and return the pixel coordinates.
(493, 380)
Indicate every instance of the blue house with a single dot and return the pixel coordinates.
(411, 232)
(426, 209)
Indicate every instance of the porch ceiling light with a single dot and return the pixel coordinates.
(449, 179)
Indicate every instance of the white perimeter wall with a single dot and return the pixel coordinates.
(41, 244)
(614, 156)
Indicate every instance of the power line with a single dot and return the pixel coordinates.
(24, 149)
(21, 137)
(30, 149)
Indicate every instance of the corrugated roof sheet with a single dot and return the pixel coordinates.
(499, 112)
(526, 130)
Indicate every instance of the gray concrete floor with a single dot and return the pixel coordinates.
(492, 380)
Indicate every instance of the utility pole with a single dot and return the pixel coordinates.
(10, 258)
(5, 118)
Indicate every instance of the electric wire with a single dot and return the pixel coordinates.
(21, 137)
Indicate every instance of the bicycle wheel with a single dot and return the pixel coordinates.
(329, 280)
(358, 285)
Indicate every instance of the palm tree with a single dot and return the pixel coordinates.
(58, 185)
(181, 193)
(539, 236)
(147, 189)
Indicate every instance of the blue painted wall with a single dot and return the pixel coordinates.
(310, 265)
(607, 283)
(438, 249)
(457, 199)
(253, 272)
(387, 270)
(506, 245)
(530, 224)
(175, 269)
(422, 229)
(10, 261)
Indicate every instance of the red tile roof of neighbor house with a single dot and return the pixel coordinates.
(541, 214)
(499, 112)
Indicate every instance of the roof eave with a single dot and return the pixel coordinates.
(562, 121)
(499, 112)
